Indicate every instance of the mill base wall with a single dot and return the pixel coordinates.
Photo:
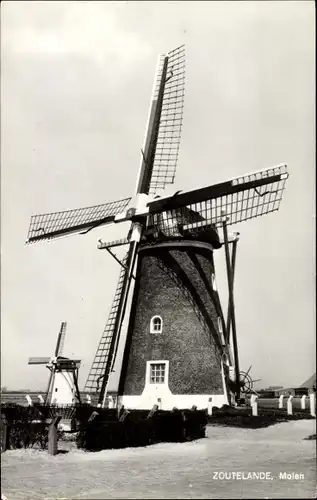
(174, 283)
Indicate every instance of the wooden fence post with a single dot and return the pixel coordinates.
(312, 397)
(290, 405)
(303, 402)
(124, 415)
(120, 410)
(253, 399)
(5, 437)
(151, 412)
(29, 400)
(93, 416)
(159, 403)
(209, 407)
(255, 406)
(52, 435)
(280, 401)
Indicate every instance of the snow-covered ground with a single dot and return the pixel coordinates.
(181, 470)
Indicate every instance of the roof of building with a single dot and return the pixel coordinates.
(310, 382)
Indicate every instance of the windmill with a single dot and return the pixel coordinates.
(179, 349)
(62, 388)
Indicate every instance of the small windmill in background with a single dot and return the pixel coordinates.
(62, 388)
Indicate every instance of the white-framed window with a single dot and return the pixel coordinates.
(213, 282)
(156, 325)
(157, 373)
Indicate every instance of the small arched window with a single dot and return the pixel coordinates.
(156, 324)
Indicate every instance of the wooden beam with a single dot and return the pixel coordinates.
(231, 306)
(207, 193)
(233, 262)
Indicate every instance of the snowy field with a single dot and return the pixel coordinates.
(181, 470)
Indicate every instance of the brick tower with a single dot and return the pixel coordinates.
(175, 346)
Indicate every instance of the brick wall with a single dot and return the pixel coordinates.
(174, 283)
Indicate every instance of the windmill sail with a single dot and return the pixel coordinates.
(102, 362)
(160, 150)
(39, 360)
(242, 198)
(169, 133)
(61, 340)
(54, 225)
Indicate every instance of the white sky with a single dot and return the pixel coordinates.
(76, 80)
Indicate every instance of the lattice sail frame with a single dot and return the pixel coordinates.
(58, 351)
(39, 360)
(54, 225)
(240, 199)
(98, 367)
(61, 339)
(171, 119)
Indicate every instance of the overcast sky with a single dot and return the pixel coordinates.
(76, 82)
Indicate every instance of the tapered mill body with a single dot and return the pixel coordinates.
(179, 362)
(179, 349)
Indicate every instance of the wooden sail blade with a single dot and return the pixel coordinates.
(170, 125)
(161, 144)
(54, 225)
(49, 386)
(242, 198)
(61, 340)
(102, 358)
(39, 360)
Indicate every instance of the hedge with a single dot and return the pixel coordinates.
(242, 417)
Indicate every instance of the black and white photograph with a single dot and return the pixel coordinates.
(158, 249)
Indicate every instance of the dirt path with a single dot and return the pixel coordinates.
(181, 470)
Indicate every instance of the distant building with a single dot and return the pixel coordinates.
(310, 383)
(268, 393)
(301, 390)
